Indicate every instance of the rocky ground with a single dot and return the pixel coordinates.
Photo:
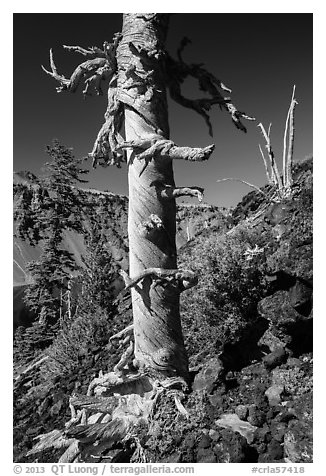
(250, 398)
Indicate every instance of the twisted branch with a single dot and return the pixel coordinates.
(168, 192)
(184, 279)
(105, 149)
(178, 71)
(92, 72)
(157, 147)
(101, 66)
(93, 51)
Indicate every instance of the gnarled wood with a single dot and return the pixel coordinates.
(157, 328)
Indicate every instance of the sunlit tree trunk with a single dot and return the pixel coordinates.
(152, 219)
(138, 70)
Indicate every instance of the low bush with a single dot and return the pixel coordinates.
(231, 269)
(76, 341)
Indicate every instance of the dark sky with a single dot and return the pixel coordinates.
(259, 56)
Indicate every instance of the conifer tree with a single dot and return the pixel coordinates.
(43, 212)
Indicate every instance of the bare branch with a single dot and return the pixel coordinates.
(54, 73)
(289, 179)
(90, 68)
(93, 51)
(140, 144)
(198, 105)
(101, 66)
(157, 146)
(270, 181)
(284, 143)
(177, 72)
(273, 176)
(127, 330)
(237, 115)
(105, 149)
(168, 191)
(193, 154)
(243, 181)
(271, 157)
(184, 278)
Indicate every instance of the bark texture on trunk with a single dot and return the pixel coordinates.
(138, 70)
(158, 336)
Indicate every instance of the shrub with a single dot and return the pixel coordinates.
(75, 342)
(231, 283)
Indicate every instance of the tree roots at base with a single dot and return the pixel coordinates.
(116, 406)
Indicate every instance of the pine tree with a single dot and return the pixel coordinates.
(44, 211)
(98, 273)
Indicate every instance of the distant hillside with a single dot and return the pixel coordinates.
(192, 219)
(248, 330)
(110, 212)
(113, 221)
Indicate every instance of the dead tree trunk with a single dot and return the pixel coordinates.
(139, 70)
(152, 219)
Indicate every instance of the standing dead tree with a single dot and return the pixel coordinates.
(139, 72)
(282, 184)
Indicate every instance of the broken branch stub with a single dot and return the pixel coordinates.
(169, 192)
(158, 147)
(183, 279)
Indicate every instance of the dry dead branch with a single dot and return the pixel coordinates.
(169, 192)
(157, 147)
(184, 279)
(178, 71)
(245, 182)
